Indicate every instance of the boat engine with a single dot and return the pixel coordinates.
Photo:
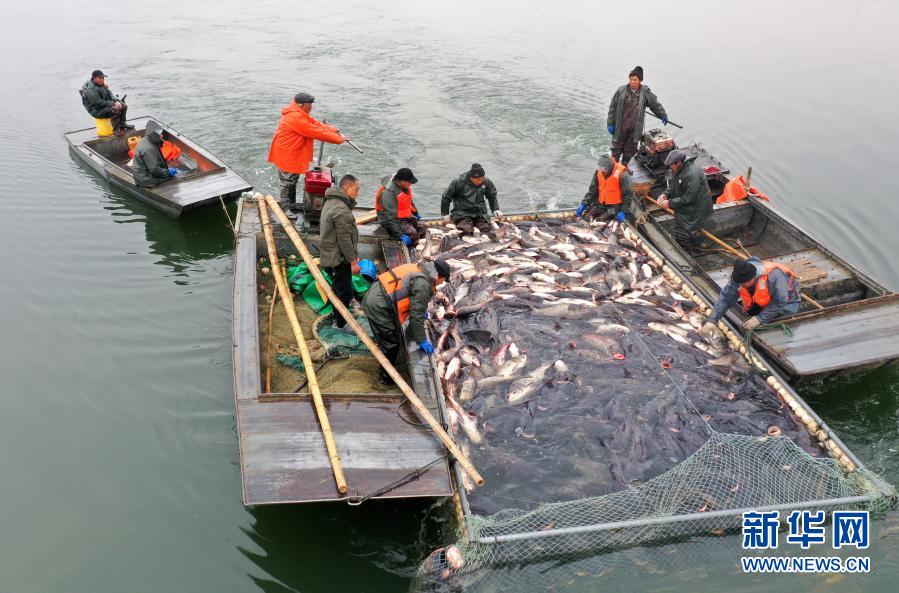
(317, 181)
(656, 144)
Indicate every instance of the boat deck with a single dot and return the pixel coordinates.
(282, 452)
(202, 181)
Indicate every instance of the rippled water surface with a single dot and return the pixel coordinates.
(117, 442)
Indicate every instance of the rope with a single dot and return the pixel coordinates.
(230, 222)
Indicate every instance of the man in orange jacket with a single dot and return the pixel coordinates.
(292, 146)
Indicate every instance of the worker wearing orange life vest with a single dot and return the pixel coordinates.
(397, 215)
(611, 193)
(765, 290)
(399, 295)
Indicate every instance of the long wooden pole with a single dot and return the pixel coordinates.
(287, 301)
(370, 344)
(734, 252)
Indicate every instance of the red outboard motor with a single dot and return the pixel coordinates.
(318, 180)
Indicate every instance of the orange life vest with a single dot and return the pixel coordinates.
(735, 190)
(404, 206)
(170, 152)
(609, 190)
(761, 296)
(396, 285)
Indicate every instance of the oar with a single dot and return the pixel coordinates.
(660, 119)
(370, 344)
(734, 252)
(308, 367)
(350, 142)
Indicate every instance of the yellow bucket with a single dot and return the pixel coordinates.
(104, 126)
(132, 142)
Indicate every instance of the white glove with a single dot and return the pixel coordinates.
(751, 323)
(446, 218)
(708, 330)
(497, 213)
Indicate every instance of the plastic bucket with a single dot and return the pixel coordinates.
(132, 142)
(104, 126)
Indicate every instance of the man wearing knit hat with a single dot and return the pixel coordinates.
(626, 114)
(611, 193)
(767, 291)
(689, 197)
(469, 194)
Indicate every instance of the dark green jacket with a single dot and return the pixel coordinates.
(387, 215)
(616, 110)
(338, 232)
(468, 199)
(690, 197)
(98, 100)
(149, 167)
(629, 202)
(379, 307)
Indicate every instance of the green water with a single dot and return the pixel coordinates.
(119, 454)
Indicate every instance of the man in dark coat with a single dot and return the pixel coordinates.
(149, 166)
(626, 114)
(469, 194)
(689, 197)
(99, 101)
(397, 214)
(387, 309)
(339, 238)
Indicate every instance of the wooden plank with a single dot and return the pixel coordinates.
(283, 454)
(857, 335)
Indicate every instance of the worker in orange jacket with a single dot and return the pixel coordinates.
(292, 147)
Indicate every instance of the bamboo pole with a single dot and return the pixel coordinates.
(370, 344)
(268, 355)
(287, 301)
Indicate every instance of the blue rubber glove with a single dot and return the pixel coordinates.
(426, 347)
(416, 215)
(665, 120)
(172, 171)
(580, 210)
(611, 130)
(427, 315)
(620, 216)
(406, 239)
(368, 269)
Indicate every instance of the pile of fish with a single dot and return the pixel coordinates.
(571, 367)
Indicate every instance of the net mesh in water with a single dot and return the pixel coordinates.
(702, 496)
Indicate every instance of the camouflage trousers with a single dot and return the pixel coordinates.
(288, 188)
(467, 225)
(413, 228)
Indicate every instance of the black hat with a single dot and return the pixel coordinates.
(476, 170)
(443, 268)
(97, 73)
(744, 271)
(301, 98)
(675, 156)
(405, 174)
(638, 72)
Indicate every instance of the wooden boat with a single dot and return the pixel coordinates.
(204, 179)
(384, 450)
(857, 327)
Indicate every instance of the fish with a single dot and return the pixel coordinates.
(647, 270)
(452, 368)
(508, 371)
(528, 385)
(469, 388)
(469, 356)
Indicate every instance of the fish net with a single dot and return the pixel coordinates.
(578, 385)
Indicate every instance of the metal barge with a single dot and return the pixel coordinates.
(383, 448)
(857, 326)
(204, 179)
